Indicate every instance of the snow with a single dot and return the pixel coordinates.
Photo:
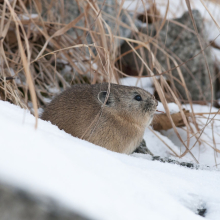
(204, 152)
(144, 83)
(156, 146)
(96, 182)
(28, 16)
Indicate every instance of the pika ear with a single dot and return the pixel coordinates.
(102, 97)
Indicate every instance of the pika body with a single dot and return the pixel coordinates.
(109, 115)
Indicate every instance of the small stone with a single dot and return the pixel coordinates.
(142, 148)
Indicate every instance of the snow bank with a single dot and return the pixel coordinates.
(97, 182)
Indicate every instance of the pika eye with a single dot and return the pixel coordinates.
(138, 98)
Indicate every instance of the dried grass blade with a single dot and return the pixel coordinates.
(25, 61)
(60, 32)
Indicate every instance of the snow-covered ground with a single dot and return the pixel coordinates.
(97, 182)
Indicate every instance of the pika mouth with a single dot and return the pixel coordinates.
(150, 107)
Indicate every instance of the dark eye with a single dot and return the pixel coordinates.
(138, 98)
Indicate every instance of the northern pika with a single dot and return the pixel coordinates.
(109, 115)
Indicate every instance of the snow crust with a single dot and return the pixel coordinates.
(97, 182)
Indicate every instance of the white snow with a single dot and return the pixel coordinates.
(144, 83)
(204, 152)
(27, 16)
(96, 182)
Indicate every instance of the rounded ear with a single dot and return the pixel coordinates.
(102, 97)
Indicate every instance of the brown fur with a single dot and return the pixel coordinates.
(117, 125)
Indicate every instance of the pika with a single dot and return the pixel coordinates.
(109, 115)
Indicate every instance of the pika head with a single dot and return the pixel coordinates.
(129, 102)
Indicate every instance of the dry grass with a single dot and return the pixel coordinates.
(44, 58)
